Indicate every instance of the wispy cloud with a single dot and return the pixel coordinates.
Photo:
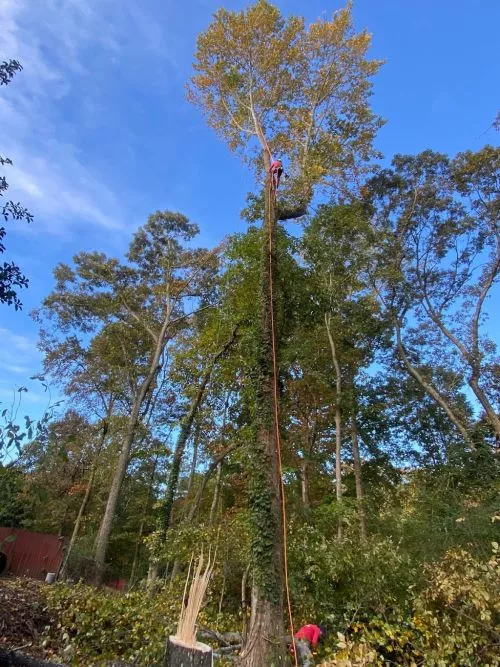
(64, 46)
(17, 353)
(17, 342)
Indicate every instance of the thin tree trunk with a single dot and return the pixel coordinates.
(338, 423)
(429, 389)
(145, 512)
(195, 507)
(471, 356)
(88, 491)
(175, 570)
(491, 415)
(264, 644)
(304, 484)
(194, 460)
(223, 590)
(215, 500)
(358, 479)
(244, 604)
(184, 433)
(123, 458)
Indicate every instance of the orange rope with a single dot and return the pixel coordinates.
(277, 432)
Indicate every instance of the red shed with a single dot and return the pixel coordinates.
(31, 554)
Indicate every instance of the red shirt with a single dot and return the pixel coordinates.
(311, 633)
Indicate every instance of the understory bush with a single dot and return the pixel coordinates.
(95, 626)
(455, 621)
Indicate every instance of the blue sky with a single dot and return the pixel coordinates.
(101, 134)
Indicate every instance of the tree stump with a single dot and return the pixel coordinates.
(179, 654)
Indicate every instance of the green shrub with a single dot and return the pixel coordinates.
(455, 621)
(96, 626)
(458, 615)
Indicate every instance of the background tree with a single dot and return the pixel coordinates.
(438, 262)
(149, 297)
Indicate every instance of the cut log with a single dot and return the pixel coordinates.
(223, 639)
(179, 654)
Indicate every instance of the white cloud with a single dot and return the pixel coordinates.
(18, 353)
(16, 342)
(18, 356)
(67, 49)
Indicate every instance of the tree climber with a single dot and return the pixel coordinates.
(276, 170)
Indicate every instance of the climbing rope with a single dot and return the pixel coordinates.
(277, 433)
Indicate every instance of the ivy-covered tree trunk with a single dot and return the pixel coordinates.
(264, 643)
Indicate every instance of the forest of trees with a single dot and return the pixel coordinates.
(359, 298)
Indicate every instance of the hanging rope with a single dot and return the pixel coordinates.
(277, 428)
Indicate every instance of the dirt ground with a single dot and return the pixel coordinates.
(23, 617)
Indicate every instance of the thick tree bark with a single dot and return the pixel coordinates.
(338, 423)
(88, 491)
(264, 643)
(357, 477)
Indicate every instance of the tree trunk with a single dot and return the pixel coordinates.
(179, 654)
(429, 389)
(357, 477)
(184, 433)
(244, 604)
(195, 507)
(123, 458)
(338, 424)
(491, 415)
(86, 497)
(194, 460)
(265, 644)
(145, 512)
(215, 500)
(304, 484)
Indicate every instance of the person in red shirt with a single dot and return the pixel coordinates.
(276, 170)
(311, 634)
(307, 638)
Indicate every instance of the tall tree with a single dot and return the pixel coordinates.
(272, 85)
(151, 297)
